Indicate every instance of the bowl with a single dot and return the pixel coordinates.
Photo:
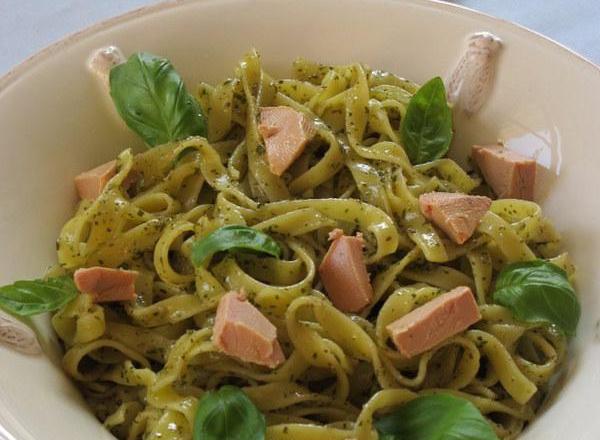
(55, 122)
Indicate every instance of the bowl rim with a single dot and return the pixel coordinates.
(32, 61)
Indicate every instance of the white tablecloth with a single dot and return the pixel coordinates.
(27, 26)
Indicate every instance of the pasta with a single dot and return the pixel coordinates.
(142, 366)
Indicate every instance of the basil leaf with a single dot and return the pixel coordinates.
(426, 129)
(234, 238)
(435, 417)
(26, 298)
(152, 100)
(539, 291)
(228, 414)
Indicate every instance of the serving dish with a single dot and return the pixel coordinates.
(55, 121)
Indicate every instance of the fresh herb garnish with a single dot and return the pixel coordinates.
(539, 291)
(435, 417)
(26, 298)
(426, 129)
(228, 414)
(235, 238)
(152, 99)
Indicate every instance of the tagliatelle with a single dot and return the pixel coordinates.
(143, 366)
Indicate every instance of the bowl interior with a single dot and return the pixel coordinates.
(56, 122)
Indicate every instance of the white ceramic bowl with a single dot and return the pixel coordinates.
(54, 123)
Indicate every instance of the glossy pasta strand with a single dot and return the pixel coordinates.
(144, 365)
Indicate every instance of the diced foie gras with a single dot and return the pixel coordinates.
(90, 183)
(242, 331)
(434, 322)
(106, 284)
(286, 132)
(458, 215)
(510, 174)
(344, 273)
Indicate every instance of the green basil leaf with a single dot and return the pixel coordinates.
(26, 298)
(426, 129)
(228, 414)
(234, 238)
(435, 417)
(539, 291)
(152, 100)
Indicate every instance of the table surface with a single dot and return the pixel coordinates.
(26, 26)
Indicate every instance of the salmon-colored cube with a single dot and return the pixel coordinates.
(344, 273)
(458, 215)
(510, 174)
(242, 331)
(286, 132)
(434, 322)
(105, 284)
(90, 183)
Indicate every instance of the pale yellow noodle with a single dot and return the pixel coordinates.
(144, 365)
